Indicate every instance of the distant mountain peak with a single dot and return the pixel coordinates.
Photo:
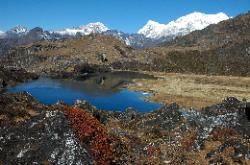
(96, 27)
(181, 26)
(198, 16)
(151, 29)
(152, 22)
(19, 29)
(94, 24)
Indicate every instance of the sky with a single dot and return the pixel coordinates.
(125, 15)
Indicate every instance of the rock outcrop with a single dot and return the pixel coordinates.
(12, 76)
(32, 133)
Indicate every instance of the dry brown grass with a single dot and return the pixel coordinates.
(198, 158)
(32, 112)
(197, 91)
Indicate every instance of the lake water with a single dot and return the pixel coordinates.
(106, 91)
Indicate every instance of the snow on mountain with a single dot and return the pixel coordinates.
(181, 26)
(152, 29)
(97, 27)
(153, 33)
(18, 30)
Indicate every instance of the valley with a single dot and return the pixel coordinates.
(80, 95)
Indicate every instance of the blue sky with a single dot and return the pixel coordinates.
(124, 15)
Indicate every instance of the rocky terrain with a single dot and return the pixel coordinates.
(65, 55)
(33, 133)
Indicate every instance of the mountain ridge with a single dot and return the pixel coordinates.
(181, 26)
(154, 34)
(96, 27)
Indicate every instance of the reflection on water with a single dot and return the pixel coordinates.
(104, 91)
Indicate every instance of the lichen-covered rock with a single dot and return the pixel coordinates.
(32, 133)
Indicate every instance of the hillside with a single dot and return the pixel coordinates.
(64, 55)
(218, 49)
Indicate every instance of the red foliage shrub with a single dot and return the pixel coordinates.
(189, 139)
(221, 133)
(152, 151)
(91, 132)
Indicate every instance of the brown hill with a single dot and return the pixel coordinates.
(66, 54)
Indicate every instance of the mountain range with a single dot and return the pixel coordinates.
(178, 71)
(152, 34)
(221, 49)
(182, 26)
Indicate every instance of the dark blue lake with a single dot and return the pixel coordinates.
(104, 91)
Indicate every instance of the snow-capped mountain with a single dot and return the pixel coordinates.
(19, 30)
(182, 26)
(135, 40)
(153, 33)
(20, 36)
(97, 27)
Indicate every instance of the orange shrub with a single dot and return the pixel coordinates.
(221, 133)
(189, 139)
(152, 151)
(91, 132)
